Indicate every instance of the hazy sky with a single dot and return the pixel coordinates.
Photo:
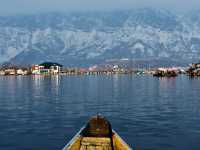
(32, 6)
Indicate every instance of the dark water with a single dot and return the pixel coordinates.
(43, 113)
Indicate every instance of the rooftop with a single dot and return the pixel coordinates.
(49, 64)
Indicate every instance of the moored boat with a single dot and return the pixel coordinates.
(194, 70)
(165, 73)
(97, 135)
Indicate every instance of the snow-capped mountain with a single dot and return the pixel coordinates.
(94, 37)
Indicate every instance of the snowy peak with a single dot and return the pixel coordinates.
(89, 38)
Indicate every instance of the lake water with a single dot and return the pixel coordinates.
(44, 113)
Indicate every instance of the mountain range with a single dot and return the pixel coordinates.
(88, 38)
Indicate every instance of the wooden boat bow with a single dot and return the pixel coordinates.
(97, 135)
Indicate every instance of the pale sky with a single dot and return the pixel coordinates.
(34, 6)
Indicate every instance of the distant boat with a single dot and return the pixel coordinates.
(194, 70)
(167, 73)
(97, 135)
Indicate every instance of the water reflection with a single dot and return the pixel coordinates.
(42, 84)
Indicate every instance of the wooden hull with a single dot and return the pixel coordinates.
(97, 135)
(96, 143)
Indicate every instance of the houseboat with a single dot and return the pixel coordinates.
(165, 72)
(194, 70)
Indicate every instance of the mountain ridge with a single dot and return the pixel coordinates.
(82, 39)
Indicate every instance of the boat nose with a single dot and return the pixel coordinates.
(98, 126)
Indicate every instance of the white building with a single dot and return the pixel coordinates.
(47, 68)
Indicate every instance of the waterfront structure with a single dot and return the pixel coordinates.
(14, 71)
(166, 72)
(21, 72)
(10, 71)
(194, 70)
(93, 68)
(2, 72)
(46, 68)
(35, 69)
(118, 70)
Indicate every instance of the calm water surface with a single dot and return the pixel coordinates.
(43, 113)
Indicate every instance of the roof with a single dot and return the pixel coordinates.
(49, 64)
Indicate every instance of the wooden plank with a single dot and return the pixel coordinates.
(83, 147)
(75, 145)
(93, 143)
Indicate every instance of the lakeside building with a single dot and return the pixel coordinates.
(46, 68)
(10, 71)
(22, 72)
(117, 69)
(2, 73)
